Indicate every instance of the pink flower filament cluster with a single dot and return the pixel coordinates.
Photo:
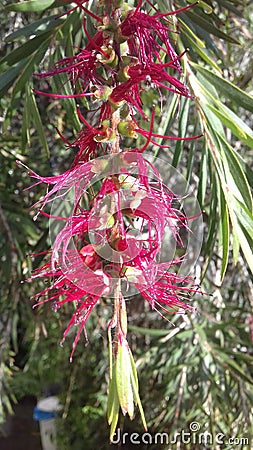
(130, 52)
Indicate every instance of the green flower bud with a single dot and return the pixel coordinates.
(127, 128)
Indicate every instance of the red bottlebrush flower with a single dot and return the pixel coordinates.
(90, 141)
(88, 147)
(129, 91)
(82, 273)
(78, 277)
(83, 66)
(113, 221)
(170, 294)
(141, 31)
(63, 291)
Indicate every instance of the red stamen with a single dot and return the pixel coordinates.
(81, 117)
(168, 64)
(49, 216)
(67, 12)
(85, 30)
(90, 127)
(159, 145)
(62, 137)
(175, 138)
(89, 12)
(138, 7)
(177, 11)
(47, 94)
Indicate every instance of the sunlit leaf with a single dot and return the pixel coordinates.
(232, 121)
(226, 88)
(224, 230)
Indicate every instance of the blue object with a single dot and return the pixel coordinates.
(38, 414)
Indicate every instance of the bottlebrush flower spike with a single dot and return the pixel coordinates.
(119, 212)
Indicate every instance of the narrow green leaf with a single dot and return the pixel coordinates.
(191, 156)
(232, 121)
(212, 219)
(35, 28)
(36, 119)
(30, 6)
(26, 120)
(207, 25)
(113, 425)
(239, 233)
(193, 43)
(138, 400)
(28, 70)
(205, 92)
(235, 244)
(134, 371)
(8, 405)
(226, 88)
(234, 185)
(244, 217)
(206, 8)
(208, 89)
(6, 78)
(182, 125)
(113, 405)
(203, 172)
(246, 169)
(110, 351)
(190, 34)
(14, 330)
(113, 400)
(228, 360)
(201, 333)
(166, 122)
(24, 50)
(236, 173)
(224, 229)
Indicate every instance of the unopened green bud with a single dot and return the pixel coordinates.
(107, 134)
(122, 74)
(111, 59)
(127, 128)
(101, 92)
(129, 60)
